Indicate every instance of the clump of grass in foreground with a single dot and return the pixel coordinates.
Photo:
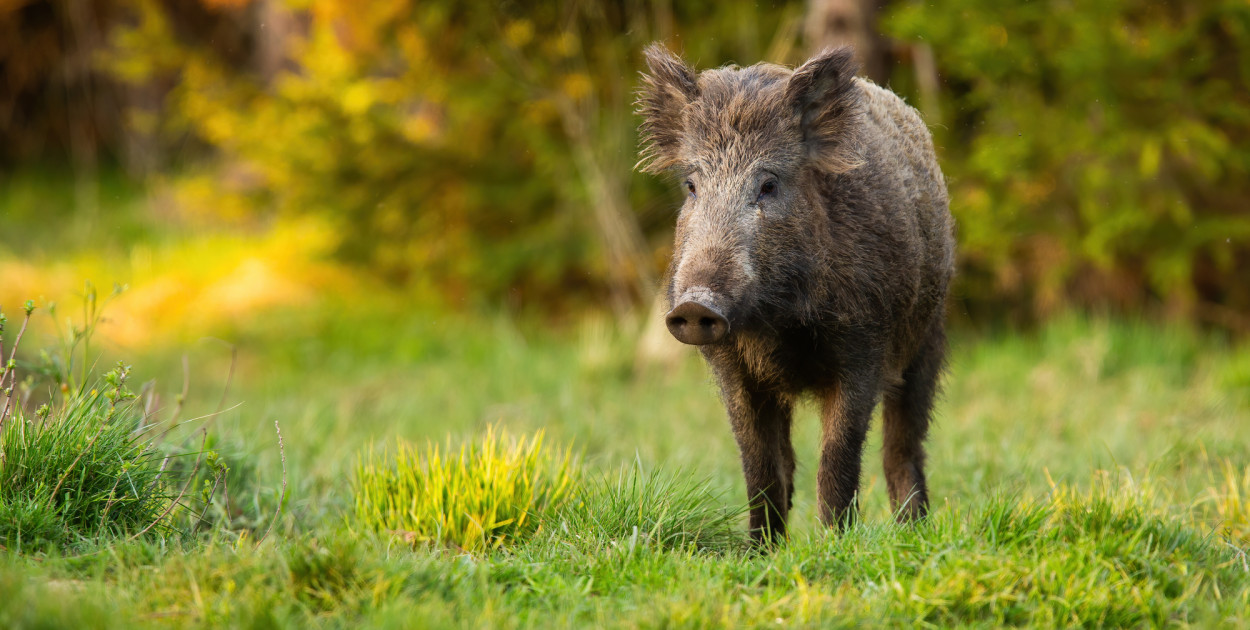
(77, 469)
(656, 509)
(488, 495)
(79, 472)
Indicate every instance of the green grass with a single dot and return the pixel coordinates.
(650, 508)
(1094, 559)
(1093, 473)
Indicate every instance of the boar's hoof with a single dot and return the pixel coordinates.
(696, 323)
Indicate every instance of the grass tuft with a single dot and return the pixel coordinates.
(88, 465)
(668, 511)
(487, 495)
(79, 471)
(1229, 499)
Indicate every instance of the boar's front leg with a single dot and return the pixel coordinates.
(846, 412)
(761, 425)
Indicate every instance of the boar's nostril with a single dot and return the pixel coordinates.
(696, 323)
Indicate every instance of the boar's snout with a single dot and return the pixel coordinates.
(696, 323)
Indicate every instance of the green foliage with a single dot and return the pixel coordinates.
(228, 497)
(1097, 152)
(467, 148)
(491, 494)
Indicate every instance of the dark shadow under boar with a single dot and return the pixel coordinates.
(813, 254)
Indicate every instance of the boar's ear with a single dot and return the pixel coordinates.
(667, 87)
(827, 102)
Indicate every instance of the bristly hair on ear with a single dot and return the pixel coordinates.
(668, 86)
(823, 94)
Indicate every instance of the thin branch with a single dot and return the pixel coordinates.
(108, 505)
(151, 401)
(208, 502)
(160, 471)
(17, 341)
(225, 496)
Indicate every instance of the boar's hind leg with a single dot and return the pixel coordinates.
(908, 411)
(761, 425)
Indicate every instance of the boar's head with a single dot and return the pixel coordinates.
(746, 145)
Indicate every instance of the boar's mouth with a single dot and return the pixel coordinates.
(696, 320)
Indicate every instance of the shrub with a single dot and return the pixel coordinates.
(488, 495)
(1098, 153)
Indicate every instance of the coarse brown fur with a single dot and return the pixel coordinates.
(817, 225)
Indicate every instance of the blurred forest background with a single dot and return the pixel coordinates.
(480, 154)
(351, 225)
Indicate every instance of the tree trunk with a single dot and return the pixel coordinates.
(840, 22)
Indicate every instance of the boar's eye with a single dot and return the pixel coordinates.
(690, 186)
(768, 188)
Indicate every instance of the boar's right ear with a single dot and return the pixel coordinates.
(667, 87)
(823, 94)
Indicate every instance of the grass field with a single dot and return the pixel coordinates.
(1094, 472)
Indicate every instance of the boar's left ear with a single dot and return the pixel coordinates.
(667, 87)
(826, 99)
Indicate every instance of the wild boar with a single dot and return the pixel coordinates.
(813, 254)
